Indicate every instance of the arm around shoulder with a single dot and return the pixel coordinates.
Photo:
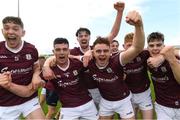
(169, 54)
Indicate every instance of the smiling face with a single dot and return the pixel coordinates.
(102, 54)
(101, 51)
(155, 43)
(83, 38)
(155, 47)
(114, 46)
(13, 31)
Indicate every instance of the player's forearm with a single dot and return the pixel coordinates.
(20, 90)
(175, 66)
(116, 27)
(139, 39)
(75, 57)
(48, 61)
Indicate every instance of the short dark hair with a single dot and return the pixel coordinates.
(101, 40)
(115, 41)
(15, 20)
(61, 41)
(155, 36)
(83, 29)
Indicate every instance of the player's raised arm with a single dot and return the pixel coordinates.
(119, 6)
(134, 18)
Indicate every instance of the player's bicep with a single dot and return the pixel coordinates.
(127, 56)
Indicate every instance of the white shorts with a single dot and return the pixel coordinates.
(123, 107)
(142, 100)
(86, 111)
(43, 91)
(96, 96)
(13, 112)
(167, 113)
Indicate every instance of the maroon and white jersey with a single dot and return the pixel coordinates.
(110, 79)
(68, 86)
(115, 53)
(167, 90)
(77, 51)
(136, 73)
(86, 77)
(20, 64)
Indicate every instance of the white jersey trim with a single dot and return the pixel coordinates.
(64, 69)
(15, 50)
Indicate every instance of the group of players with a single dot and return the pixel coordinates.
(91, 82)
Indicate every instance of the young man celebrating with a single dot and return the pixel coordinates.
(83, 37)
(165, 79)
(137, 80)
(75, 99)
(107, 71)
(19, 77)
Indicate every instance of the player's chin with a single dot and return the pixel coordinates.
(153, 54)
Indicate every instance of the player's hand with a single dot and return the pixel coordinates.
(134, 18)
(48, 74)
(168, 52)
(119, 6)
(37, 82)
(5, 79)
(154, 62)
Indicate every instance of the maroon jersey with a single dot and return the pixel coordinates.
(115, 53)
(68, 86)
(20, 64)
(167, 90)
(136, 73)
(110, 79)
(86, 77)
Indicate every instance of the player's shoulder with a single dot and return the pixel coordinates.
(75, 49)
(2, 43)
(27, 44)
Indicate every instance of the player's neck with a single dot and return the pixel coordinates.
(15, 49)
(64, 66)
(83, 50)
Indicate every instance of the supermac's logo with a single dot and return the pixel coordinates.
(17, 71)
(3, 56)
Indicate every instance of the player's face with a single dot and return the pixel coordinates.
(155, 47)
(61, 52)
(114, 47)
(83, 39)
(102, 54)
(13, 33)
(127, 45)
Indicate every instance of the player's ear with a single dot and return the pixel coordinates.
(23, 33)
